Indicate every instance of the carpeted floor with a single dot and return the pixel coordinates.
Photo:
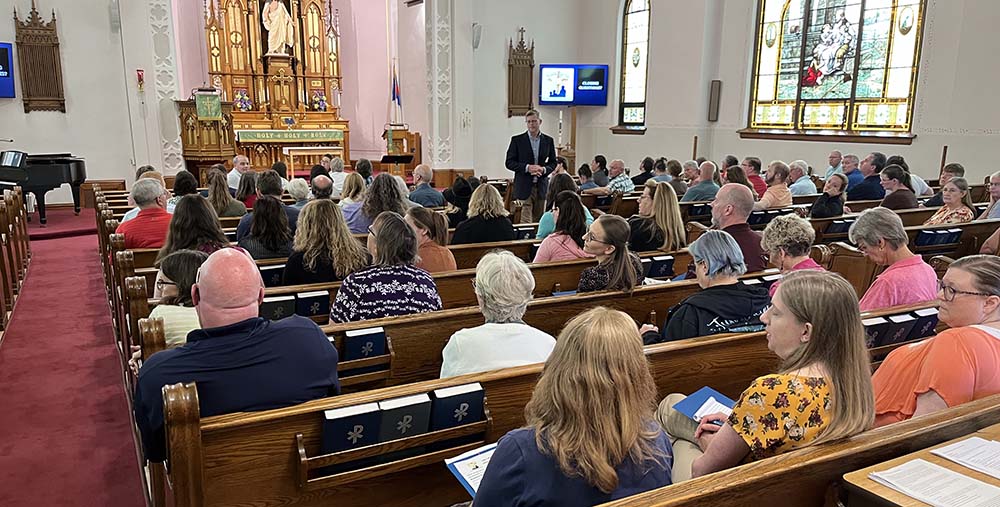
(62, 223)
(65, 430)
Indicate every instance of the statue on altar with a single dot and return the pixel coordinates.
(279, 26)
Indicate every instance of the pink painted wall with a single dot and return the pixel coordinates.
(365, 69)
(189, 40)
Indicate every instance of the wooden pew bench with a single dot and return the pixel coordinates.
(272, 457)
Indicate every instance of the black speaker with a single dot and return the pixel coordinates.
(714, 93)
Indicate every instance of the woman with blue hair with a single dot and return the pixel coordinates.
(724, 305)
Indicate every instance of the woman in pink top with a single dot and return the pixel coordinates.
(907, 280)
(957, 366)
(787, 240)
(566, 242)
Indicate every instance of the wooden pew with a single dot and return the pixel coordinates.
(269, 458)
(808, 476)
(15, 251)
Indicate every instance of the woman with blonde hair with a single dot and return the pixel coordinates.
(822, 391)
(590, 437)
(431, 228)
(958, 207)
(354, 189)
(323, 249)
(488, 221)
(658, 226)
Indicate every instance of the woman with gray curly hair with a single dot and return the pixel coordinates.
(503, 286)
(787, 240)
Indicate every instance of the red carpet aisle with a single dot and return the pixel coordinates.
(62, 223)
(65, 437)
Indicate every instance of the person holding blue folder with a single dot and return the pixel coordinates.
(821, 392)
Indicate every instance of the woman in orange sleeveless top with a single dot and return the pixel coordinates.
(958, 365)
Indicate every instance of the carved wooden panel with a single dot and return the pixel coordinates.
(520, 76)
(41, 68)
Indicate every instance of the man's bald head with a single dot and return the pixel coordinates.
(732, 205)
(706, 171)
(322, 187)
(423, 173)
(228, 290)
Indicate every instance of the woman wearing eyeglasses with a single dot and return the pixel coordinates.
(392, 286)
(178, 272)
(958, 365)
(617, 268)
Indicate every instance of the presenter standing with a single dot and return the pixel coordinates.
(532, 156)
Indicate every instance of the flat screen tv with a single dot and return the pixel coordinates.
(573, 85)
(6, 70)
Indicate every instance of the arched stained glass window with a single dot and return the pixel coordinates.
(839, 66)
(634, 61)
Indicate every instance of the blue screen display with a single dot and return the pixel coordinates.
(573, 85)
(6, 70)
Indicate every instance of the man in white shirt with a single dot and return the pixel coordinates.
(241, 164)
(801, 182)
(836, 164)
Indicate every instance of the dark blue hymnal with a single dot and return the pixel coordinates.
(277, 307)
(661, 267)
(927, 321)
(838, 226)
(876, 329)
(900, 327)
(705, 401)
(312, 304)
(364, 343)
(272, 275)
(404, 417)
(925, 238)
(457, 406)
(350, 427)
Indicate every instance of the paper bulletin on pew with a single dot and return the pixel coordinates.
(938, 486)
(469, 467)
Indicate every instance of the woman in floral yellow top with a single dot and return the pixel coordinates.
(822, 392)
(958, 207)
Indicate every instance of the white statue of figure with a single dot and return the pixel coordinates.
(279, 26)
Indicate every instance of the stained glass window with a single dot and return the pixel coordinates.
(836, 65)
(635, 49)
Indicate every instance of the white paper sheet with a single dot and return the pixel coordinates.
(938, 486)
(711, 406)
(976, 453)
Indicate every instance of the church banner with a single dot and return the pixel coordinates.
(208, 106)
(245, 136)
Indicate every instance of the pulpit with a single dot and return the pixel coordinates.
(206, 141)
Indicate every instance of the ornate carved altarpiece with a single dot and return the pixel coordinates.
(278, 101)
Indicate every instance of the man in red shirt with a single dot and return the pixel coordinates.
(149, 228)
(751, 166)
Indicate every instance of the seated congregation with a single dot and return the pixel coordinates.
(597, 427)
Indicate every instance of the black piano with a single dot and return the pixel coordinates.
(40, 173)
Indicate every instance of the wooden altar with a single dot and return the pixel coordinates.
(282, 100)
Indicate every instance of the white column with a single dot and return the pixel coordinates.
(165, 84)
(440, 64)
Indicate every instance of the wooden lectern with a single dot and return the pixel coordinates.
(205, 142)
(403, 142)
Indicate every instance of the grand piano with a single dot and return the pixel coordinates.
(40, 173)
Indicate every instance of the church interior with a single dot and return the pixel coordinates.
(629, 252)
